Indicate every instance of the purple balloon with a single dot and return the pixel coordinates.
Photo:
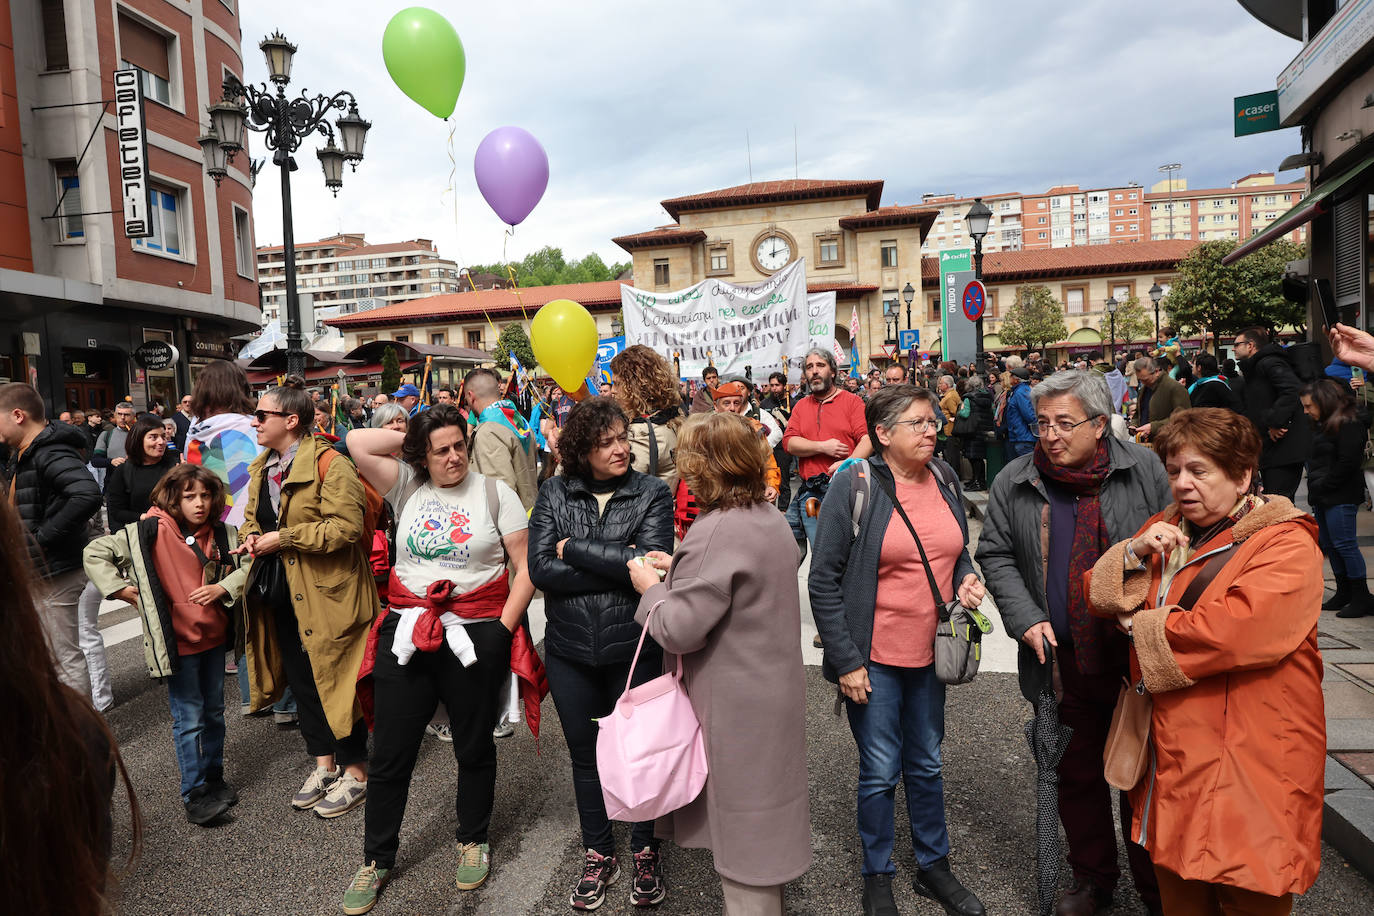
(512, 172)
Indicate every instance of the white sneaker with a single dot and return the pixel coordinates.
(315, 788)
(503, 729)
(441, 730)
(344, 795)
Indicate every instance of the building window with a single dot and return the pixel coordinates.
(475, 340)
(71, 225)
(1042, 235)
(720, 256)
(54, 36)
(889, 250)
(933, 309)
(438, 338)
(243, 243)
(1073, 300)
(401, 338)
(829, 249)
(164, 221)
(1135, 227)
(1116, 197)
(366, 339)
(147, 50)
(660, 271)
(435, 287)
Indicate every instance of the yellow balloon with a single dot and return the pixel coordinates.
(564, 337)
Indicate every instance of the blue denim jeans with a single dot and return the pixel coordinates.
(287, 703)
(802, 524)
(1336, 535)
(899, 731)
(196, 695)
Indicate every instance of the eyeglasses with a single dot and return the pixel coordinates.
(262, 415)
(1063, 427)
(920, 425)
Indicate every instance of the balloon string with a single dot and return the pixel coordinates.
(452, 174)
(510, 272)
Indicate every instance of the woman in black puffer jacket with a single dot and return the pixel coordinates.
(585, 527)
(1335, 487)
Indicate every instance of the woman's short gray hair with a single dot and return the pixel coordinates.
(386, 413)
(1089, 387)
(886, 406)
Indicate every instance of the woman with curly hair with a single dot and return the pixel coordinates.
(587, 523)
(646, 387)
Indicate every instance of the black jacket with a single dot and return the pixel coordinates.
(1271, 402)
(56, 496)
(587, 595)
(129, 489)
(1216, 392)
(1334, 476)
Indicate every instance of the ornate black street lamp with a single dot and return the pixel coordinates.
(1111, 313)
(908, 294)
(979, 218)
(284, 124)
(1156, 294)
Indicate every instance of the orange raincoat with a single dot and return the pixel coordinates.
(1233, 792)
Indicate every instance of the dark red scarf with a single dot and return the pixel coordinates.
(1095, 649)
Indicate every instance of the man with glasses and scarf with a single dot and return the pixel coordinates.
(1051, 515)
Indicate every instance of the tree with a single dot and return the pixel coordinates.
(1035, 319)
(1132, 322)
(513, 339)
(1210, 297)
(548, 267)
(391, 370)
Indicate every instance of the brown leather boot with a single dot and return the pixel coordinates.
(1083, 899)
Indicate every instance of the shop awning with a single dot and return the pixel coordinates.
(1303, 211)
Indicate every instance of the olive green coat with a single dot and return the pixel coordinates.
(332, 590)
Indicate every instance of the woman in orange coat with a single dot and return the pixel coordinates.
(1231, 802)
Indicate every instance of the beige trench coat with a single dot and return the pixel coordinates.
(332, 590)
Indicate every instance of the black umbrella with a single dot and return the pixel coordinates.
(1048, 740)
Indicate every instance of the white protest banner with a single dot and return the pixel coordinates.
(729, 325)
(820, 310)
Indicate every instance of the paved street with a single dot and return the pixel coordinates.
(273, 860)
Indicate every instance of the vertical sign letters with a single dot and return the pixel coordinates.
(133, 154)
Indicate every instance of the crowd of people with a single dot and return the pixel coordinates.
(366, 572)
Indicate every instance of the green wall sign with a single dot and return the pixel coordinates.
(1256, 114)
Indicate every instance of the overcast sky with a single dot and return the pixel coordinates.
(636, 102)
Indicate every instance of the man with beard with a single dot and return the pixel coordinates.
(826, 427)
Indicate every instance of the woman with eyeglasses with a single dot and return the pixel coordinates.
(587, 523)
(310, 599)
(877, 614)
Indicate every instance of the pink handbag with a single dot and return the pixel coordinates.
(650, 753)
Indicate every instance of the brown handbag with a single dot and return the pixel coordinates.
(1127, 751)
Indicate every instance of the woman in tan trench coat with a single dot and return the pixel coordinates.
(730, 607)
(310, 599)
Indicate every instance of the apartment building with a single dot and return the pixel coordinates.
(1061, 217)
(1240, 211)
(343, 274)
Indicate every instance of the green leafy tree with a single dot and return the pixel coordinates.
(391, 370)
(1212, 298)
(1034, 320)
(548, 267)
(1132, 322)
(513, 339)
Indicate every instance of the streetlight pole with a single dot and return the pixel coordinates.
(284, 124)
(979, 218)
(1169, 170)
(1111, 314)
(1156, 293)
(908, 294)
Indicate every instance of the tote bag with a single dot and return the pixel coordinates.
(650, 752)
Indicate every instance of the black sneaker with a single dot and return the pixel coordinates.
(939, 884)
(221, 790)
(598, 873)
(202, 808)
(648, 888)
(877, 900)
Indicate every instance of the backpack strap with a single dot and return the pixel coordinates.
(652, 470)
(858, 493)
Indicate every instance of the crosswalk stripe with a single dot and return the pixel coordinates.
(122, 632)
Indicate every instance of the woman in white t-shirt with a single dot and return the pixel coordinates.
(453, 633)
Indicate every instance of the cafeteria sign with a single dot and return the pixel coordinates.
(132, 136)
(1257, 114)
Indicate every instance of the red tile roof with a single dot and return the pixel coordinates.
(493, 302)
(846, 289)
(766, 192)
(1003, 266)
(660, 237)
(893, 216)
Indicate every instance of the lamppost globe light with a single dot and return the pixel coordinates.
(1112, 305)
(1156, 293)
(979, 218)
(216, 158)
(227, 122)
(279, 53)
(908, 294)
(353, 135)
(332, 160)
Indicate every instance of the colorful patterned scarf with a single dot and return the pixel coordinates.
(1092, 641)
(504, 412)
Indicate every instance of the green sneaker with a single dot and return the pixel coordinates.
(474, 863)
(361, 895)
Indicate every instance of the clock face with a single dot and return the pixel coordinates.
(773, 252)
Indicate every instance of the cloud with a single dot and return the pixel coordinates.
(639, 102)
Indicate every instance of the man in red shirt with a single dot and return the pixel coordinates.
(826, 427)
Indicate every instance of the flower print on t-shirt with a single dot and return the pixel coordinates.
(439, 532)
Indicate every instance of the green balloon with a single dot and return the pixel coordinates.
(425, 58)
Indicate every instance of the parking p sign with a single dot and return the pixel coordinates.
(909, 339)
